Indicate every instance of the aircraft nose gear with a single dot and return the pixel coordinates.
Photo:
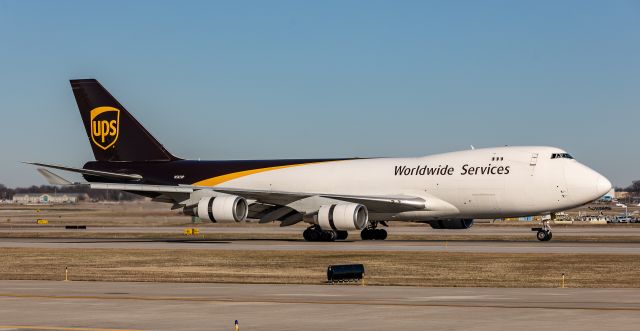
(315, 233)
(371, 233)
(544, 233)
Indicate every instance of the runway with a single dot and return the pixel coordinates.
(177, 306)
(481, 230)
(356, 245)
(101, 237)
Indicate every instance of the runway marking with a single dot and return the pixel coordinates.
(458, 297)
(310, 295)
(372, 302)
(59, 328)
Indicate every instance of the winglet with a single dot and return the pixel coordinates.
(52, 178)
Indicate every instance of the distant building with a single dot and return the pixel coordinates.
(47, 198)
(622, 195)
(524, 218)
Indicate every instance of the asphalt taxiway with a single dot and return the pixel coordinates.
(94, 237)
(92, 306)
(355, 245)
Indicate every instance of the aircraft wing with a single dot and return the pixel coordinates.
(398, 203)
(52, 178)
(374, 203)
(181, 195)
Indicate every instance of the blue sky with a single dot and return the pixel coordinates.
(286, 79)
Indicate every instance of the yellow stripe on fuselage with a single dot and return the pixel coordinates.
(224, 178)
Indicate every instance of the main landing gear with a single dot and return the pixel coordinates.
(544, 233)
(315, 233)
(372, 233)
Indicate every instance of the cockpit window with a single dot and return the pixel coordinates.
(561, 156)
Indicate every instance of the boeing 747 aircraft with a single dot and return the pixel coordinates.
(446, 191)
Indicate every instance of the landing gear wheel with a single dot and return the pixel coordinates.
(373, 234)
(314, 235)
(307, 234)
(342, 235)
(328, 235)
(542, 235)
(317, 234)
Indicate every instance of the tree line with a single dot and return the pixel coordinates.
(99, 195)
(633, 188)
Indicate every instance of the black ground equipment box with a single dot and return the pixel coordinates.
(345, 273)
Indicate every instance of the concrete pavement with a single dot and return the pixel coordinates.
(47, 305)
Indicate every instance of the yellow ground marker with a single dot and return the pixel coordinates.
(191, 231)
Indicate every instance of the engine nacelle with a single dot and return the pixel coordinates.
(225, 208)
(455, 224)
(343, 217)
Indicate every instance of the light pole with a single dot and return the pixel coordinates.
(626, 209)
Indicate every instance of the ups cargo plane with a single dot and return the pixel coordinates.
(446, 191)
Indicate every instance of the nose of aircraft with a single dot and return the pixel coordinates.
(604, 186)
(584, 184)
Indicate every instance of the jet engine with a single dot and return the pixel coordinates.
(452, 224)
(225, 208)
(343, 217)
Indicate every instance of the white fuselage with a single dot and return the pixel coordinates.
(480, 183)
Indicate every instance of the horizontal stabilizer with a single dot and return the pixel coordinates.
(103, 174)
(52, 178)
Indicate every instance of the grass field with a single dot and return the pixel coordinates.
(309, 267)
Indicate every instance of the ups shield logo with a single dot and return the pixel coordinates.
(105, 125)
